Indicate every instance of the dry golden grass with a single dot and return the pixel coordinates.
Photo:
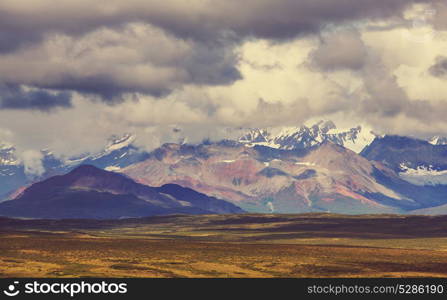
(226, 246)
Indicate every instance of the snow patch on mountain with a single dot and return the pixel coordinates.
(119, 143)
(423, 175)
(114, 144)
(438, 140)
(7, 155)
(113, 169)
(308, 164)
(228, 161)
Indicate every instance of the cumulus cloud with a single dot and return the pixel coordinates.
(385, 104)
(110, 62)
(340, 51)
(201, 69)
(109, 48)
(32, 160)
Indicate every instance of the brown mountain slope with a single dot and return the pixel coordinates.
(260, 179)
(91, 193)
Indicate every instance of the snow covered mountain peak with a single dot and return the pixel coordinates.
(255, 136)
(290, 138)
(438, 140)
(324, 126)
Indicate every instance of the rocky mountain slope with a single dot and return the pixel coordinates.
(326, 177)
(416, 161)
(89, 192)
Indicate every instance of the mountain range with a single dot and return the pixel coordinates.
(276, 170)
(323, 178)
(120, 151)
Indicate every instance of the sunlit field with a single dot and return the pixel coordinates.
(311, 245)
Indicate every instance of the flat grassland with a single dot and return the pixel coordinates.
(308, 245)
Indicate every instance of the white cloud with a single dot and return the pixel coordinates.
(32, 160)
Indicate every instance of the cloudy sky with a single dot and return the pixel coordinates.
(74, 72)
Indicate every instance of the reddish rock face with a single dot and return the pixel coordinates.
(328, 177)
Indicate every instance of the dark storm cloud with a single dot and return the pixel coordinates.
(16, 97)
(439, 69)
(289, 18)
(136, 58)
(96, 48)
(103, 85)
(212, 64)
(197, 19)
(11, 40)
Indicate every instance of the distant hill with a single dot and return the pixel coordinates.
(89, 192)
